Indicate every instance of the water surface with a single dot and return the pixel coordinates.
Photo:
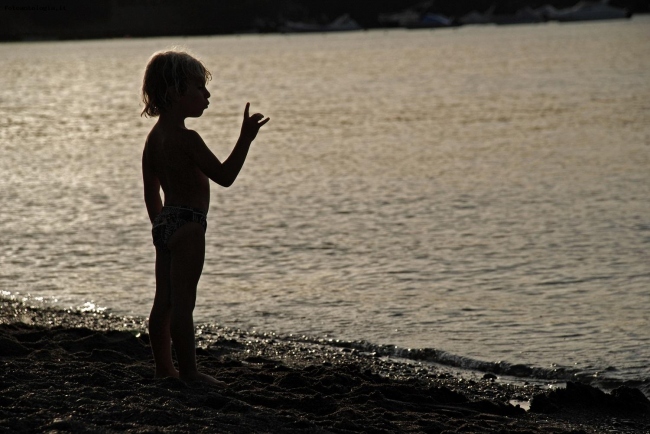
(481, 190)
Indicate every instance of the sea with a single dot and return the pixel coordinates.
(477, 197)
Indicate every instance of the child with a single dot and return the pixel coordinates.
(177, 160)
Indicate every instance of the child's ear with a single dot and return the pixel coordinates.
(173, 94)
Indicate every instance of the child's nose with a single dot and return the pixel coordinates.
(207, 93)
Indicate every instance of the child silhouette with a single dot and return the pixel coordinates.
(177, 160)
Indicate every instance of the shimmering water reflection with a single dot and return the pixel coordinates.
(482, 190)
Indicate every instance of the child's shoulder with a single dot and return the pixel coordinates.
(189, 139)
(172, 136)
(189, 134)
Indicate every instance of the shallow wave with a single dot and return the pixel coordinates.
(507, 372)
(513, 372)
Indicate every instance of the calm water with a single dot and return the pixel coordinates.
(482, 191)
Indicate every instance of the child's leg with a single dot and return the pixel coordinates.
(159, 319)
(187, 247)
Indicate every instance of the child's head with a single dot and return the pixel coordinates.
(167, 74)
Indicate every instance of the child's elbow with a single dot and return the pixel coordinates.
(227, 182)
(224, 179)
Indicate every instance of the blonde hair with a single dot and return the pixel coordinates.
(168, 72)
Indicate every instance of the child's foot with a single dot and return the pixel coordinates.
(204, 378)
(173, 373)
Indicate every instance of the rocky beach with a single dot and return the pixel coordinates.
(91, 371)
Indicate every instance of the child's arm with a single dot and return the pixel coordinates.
(225, 173)
(151, 188)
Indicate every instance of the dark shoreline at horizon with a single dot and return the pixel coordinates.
(109, 19)
(70, 370)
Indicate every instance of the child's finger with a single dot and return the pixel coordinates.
(246, 110)
(264, 121)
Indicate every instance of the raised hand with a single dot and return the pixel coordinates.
(252, 124)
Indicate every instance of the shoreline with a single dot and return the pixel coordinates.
(129, 18)
(79, 371)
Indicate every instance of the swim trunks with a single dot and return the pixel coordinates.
(170, 219)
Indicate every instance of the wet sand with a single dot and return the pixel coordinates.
(72, 371)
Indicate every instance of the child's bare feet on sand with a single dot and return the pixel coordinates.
(204, 378)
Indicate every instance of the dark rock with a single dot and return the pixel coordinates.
(631, 398)
(578, 396)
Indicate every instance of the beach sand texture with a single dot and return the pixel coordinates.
(73, 371)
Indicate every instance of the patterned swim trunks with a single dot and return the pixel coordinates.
(170, 219)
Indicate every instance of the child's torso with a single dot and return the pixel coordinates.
(181, 180)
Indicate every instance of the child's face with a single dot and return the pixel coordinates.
(195, 99)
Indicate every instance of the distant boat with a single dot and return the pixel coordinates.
(430, 20)
(522, 16)
(342, 23)
(416, 17)
(585, 11)
(475, 17)
(399, 19)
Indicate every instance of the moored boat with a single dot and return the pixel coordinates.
(586, 11)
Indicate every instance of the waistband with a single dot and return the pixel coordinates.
(185, 208)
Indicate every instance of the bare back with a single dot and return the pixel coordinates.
(182, 182)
